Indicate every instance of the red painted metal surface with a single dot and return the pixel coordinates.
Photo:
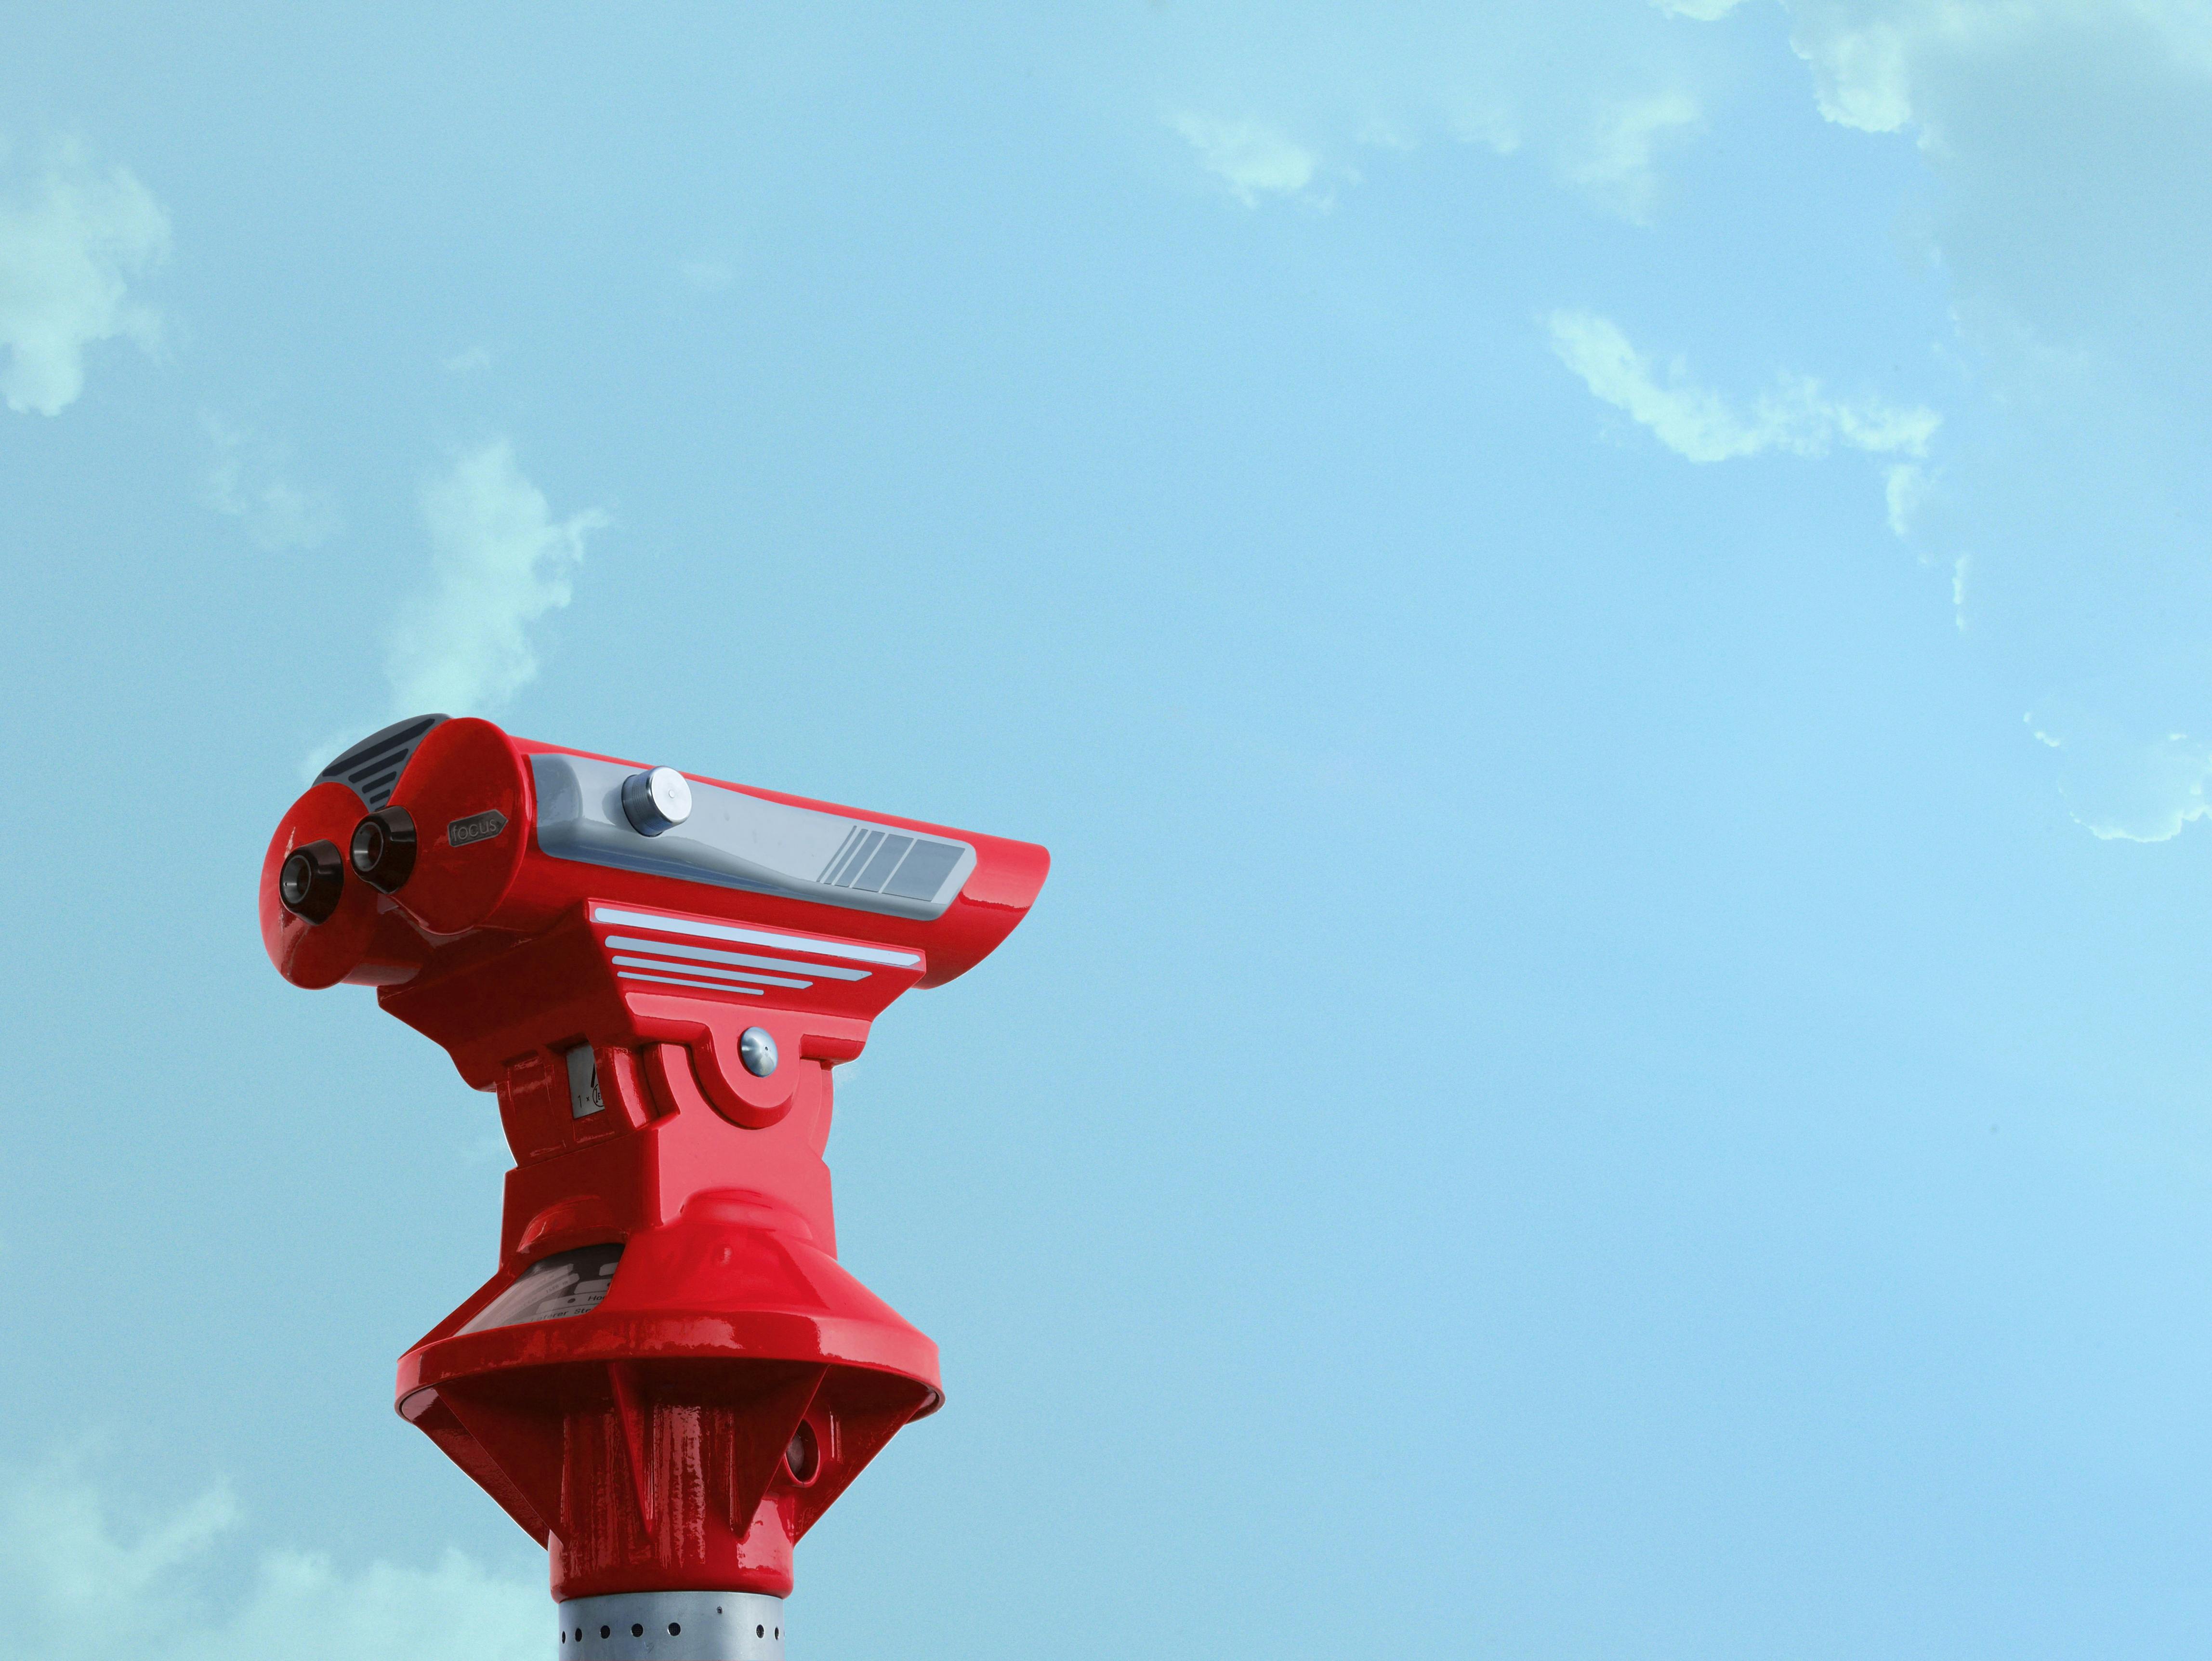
(732, 1379)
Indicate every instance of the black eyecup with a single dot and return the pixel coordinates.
(311, 881)
(383, 851)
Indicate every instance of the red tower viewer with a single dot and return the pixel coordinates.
(669, 1377)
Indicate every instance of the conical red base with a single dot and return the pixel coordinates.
(687, 1430)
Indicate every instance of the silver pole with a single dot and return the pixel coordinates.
(672, 1626)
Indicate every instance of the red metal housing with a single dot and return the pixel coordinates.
(670, 1376)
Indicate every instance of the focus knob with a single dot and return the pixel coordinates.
(655, 801)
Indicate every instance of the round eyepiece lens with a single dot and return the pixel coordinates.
(367, 846)
(311, 881)
(383, 849)
(296, 879)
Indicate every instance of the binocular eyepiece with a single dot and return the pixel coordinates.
(381, 852)
(312, 882)
(383, 846)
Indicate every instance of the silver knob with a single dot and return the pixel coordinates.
(757, 1051)
(655, 801)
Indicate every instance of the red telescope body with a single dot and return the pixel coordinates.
(669, 1377)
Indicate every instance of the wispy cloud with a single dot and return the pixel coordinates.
(1884, 67)
(1614, 162)
(1796, 417)
(1905, 487)
(2066, 215)
(72, 241)
(77, 1587)
(1288, 105)
(500, 561)
(247, 481)
(2121, 785)
(1254, 158)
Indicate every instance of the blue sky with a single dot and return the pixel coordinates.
(1605, 609)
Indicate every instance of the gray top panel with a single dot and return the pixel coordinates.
(372, 767)
(732, 840)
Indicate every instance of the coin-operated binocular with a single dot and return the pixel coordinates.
(670, 1378)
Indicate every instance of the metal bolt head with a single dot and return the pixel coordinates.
(655, 801)
(757, 1051)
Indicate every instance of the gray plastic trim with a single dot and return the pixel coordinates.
(732, 840)
(372, 767)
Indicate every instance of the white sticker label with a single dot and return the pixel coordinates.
(584, 1097)
(552, 1289)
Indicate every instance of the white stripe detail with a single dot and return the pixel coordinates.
(722, 931)
(708, 954)
(709, 986)
(708, 969)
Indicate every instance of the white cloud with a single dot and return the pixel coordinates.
(1284, 99)
(77, 1588)
(1881, 65)
(1905, 487)
(70, 244)
(1861, 68)
(1493, 125)
(499, 562)
(2120, 786)
(2067, 216)
(1613, 163)
(473, 361)
(1256, 159)
(245, 481)
(2063, 214)
(1701, 424)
